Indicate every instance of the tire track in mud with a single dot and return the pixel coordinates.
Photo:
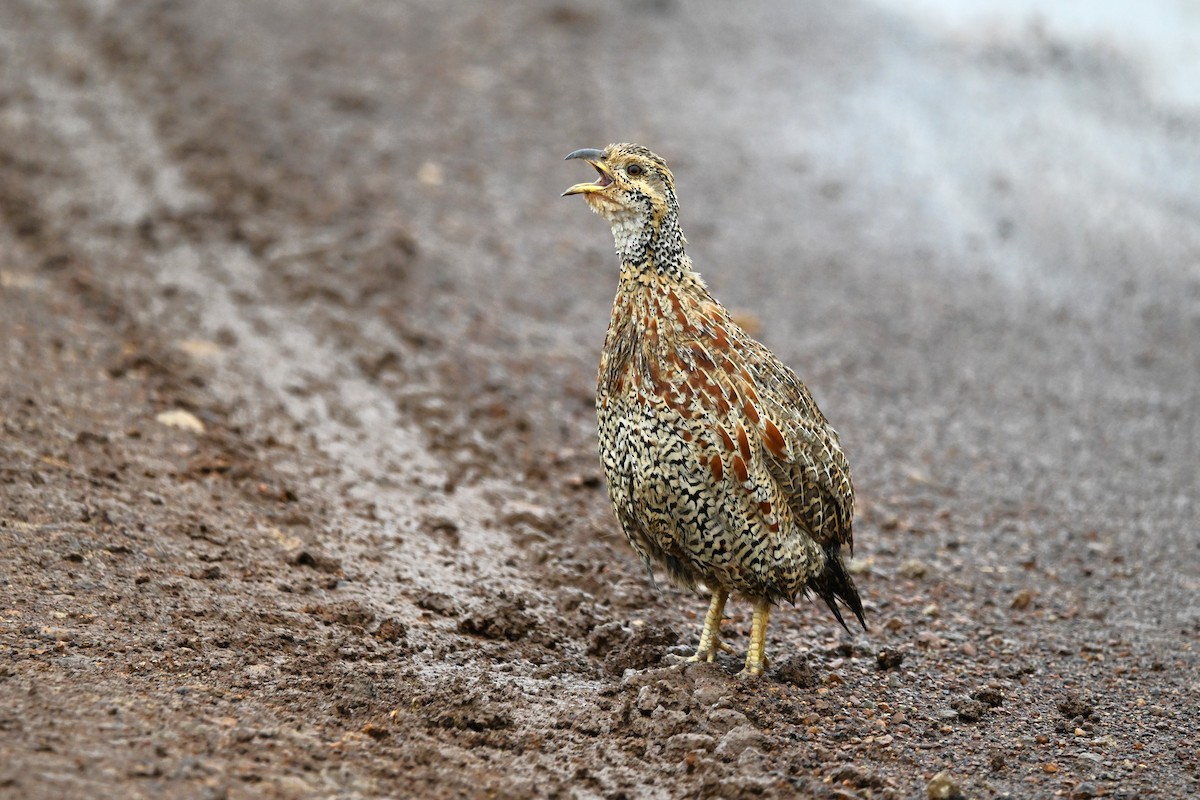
(313, 387)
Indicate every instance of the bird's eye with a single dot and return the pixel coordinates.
(634, 169)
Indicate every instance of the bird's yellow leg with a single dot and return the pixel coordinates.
(756, 660)
(710, 637)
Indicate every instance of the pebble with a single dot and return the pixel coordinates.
(74, 662)
(969, 710)
(1022, 599)
(752, 761)
(913, 569)
(930, 639)
(178, 418)
(851, 775)
(739, 739)
(709, 694)
(990, 695)
(682, 743)
(888, 659)
(796, 671)
(537, 517)
(943, 787)
(430, 174)
(54, 634)
(726, 719)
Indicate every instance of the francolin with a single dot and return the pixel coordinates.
(720, 466)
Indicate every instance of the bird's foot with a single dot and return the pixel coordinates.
(754, 670)
(756, 657)
(700, 656)
(710, 654)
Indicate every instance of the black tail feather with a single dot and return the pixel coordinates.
(834, 584)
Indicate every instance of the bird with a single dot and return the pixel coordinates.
(720, 467)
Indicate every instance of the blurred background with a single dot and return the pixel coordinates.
(973, 228)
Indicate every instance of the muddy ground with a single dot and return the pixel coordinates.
(371, 554)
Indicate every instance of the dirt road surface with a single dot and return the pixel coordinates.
(298, 492)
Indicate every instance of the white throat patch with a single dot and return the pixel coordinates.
(627, 227)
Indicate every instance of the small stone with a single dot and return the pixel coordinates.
(391, 631)
(852, 775)
(537, 517)
(931, 640)
(888, 659)
(647, 700)
(683, 743)
(711, 684)
(1075, 705)
(200, 348)
(1023, 599)
(861, 566)
(209, 573)
(144, 769)
(607, 637)
(752, 761)
(54, 634)
(797, 671)
(438, 603)
(990, 695)
(740, 738)
(944, 787)
(913, 569)
(968, 710)
(646, 646)
(1085, 791)
(184, 420)
(430, 174)
(498, 619)
(726, 719)
(376, 732)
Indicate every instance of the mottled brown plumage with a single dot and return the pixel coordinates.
(720, 466)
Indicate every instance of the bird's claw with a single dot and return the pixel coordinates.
(709, 655)
(754, 670)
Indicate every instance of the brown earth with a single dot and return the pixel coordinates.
(377, 558)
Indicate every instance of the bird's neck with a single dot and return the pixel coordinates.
(651, 245)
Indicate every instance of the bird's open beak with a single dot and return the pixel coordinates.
(593, 157)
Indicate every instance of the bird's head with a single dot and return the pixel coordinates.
(635, 191)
